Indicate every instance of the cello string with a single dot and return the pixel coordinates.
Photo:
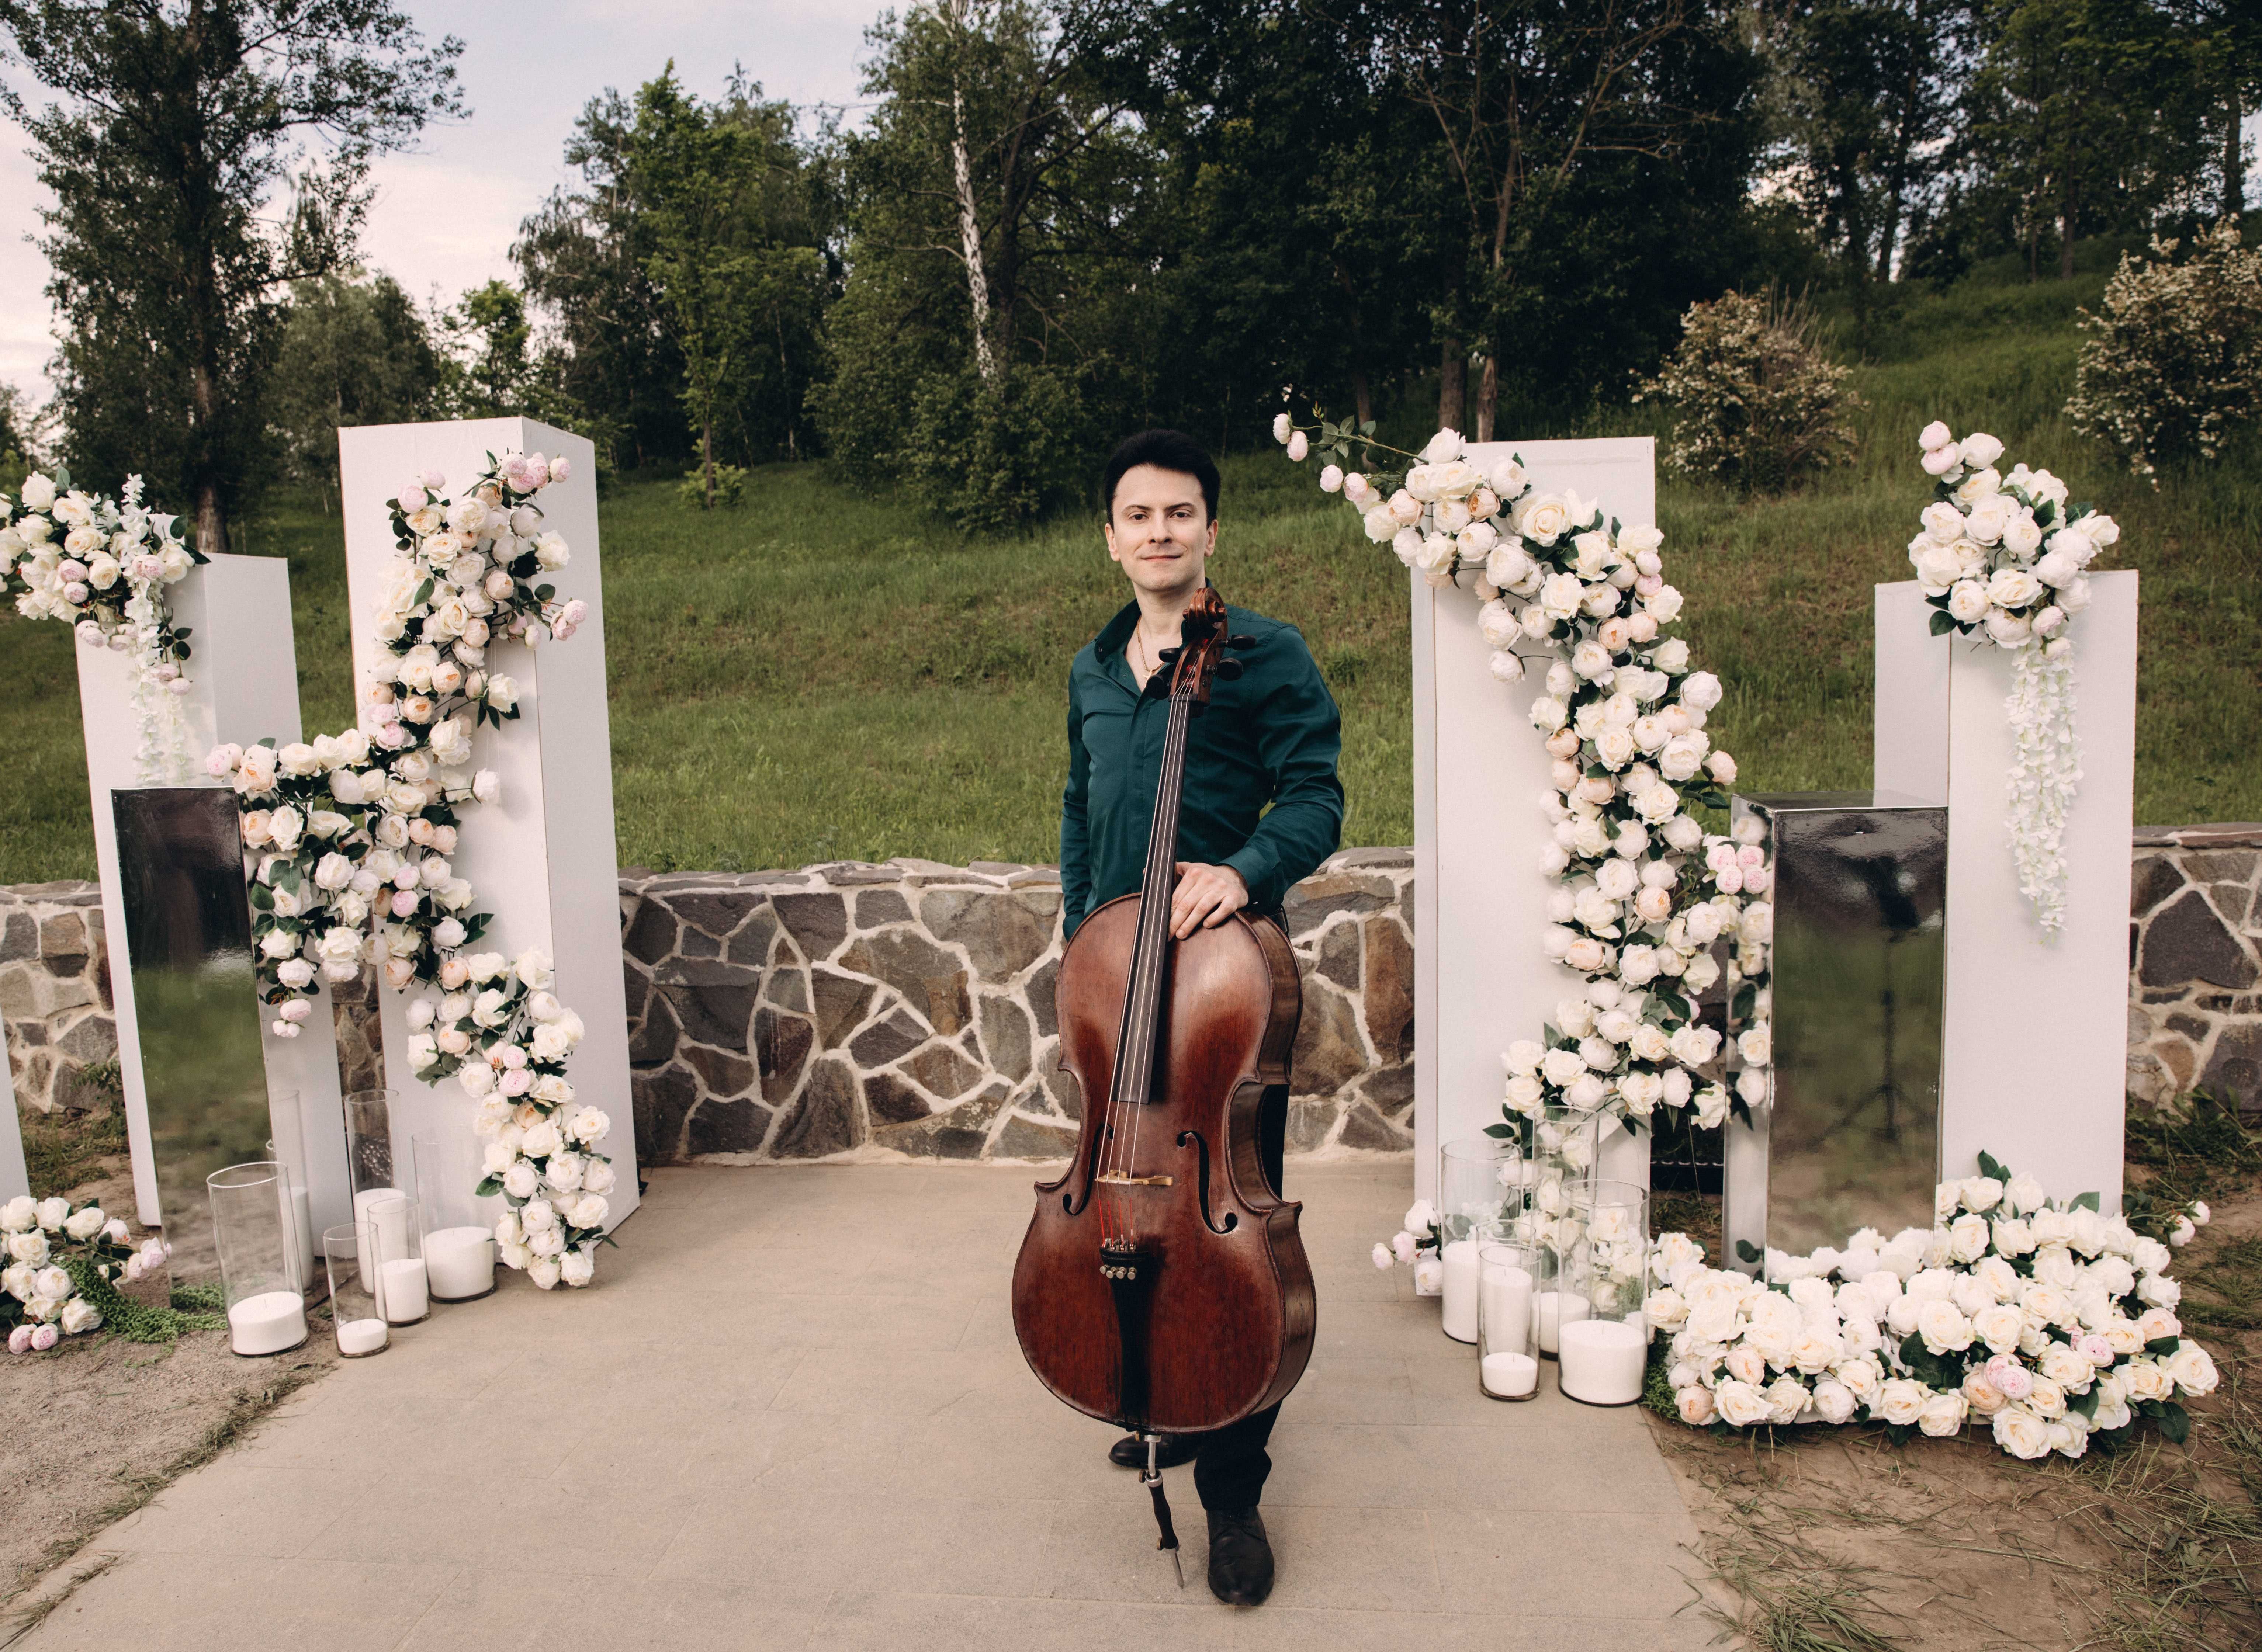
(1166, 813)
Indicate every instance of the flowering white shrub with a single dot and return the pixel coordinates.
(1646, 893)
(102, 565)
(39, 1301)
(1757, 404)
(2175, 359)
(351, 836)
(2004, 560)
(2047, 1322)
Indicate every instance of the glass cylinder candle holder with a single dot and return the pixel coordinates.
(392, 1240)
(289, 1150)
(1507, 1289)
(460, 1238)
(368, 1155)
(1605, 1351)
(1478, 1184)
(355, 1318)
(261, 1273)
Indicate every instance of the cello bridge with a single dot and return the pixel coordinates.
(1119, 1181)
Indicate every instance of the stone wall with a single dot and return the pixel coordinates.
(2194, 942)
(907, 1009)
(54, 994)
(849, 1008)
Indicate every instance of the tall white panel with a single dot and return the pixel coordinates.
(2036, 1028)
(1480, 776)
(244, 688)
(14, 1180)
(541, 859)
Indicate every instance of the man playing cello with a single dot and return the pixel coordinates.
(1262, 808)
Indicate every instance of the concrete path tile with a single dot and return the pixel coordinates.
(794, 1414)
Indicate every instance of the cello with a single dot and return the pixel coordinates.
(1162, 1285)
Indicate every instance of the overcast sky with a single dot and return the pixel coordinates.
(446, 214)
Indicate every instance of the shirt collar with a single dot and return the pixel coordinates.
(1115, 636)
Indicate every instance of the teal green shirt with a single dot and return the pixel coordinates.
(1271, 737)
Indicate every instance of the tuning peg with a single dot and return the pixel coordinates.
(1241, 642)
(1228, 669)
(1167, 655)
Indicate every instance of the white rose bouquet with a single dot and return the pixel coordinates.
(2049, 1323)
(49, 1250)
(349, 837)
(2004, 560)
(1419, 1244)
(102, 565)
(1645, 891)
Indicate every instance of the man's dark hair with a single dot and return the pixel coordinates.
(1165, 450)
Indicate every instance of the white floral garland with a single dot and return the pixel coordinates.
(2003, 560)
(353, 832)
(2047, 1321)
(40, 1302)
(106, 578)
(1645, 890)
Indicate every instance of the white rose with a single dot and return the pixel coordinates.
(86, 1222)
(1942, 1415)
(2191, 1370)
(1967, 601)
(1901, 1401)
(1741, 1405)
(577, 1266)
(2021, 1433)
(19, 1215)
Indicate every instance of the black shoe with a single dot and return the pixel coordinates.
(1130, 1452)
(1240, 1559)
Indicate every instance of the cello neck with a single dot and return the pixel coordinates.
(1143, 998)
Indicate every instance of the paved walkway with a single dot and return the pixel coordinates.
(793, 1415)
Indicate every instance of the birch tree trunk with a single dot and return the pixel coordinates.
(969, 222)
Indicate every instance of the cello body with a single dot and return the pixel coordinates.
(1162, 1284)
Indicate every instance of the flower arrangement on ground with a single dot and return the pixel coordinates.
(2003, 560)
(101, 566)
(42, 1241)
(2052, 1324)
(1645, 891)
(1419, 1244)
(351, 836)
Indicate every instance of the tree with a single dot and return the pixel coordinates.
(999, 200)
(354, 350)
(1572, 132)
(1867, 97)
(581, 257)
(724, 273)
(178, 120)
(492, 369)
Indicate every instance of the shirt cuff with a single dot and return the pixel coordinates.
(1259, 872)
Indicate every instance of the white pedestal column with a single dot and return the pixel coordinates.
(1481, 774)
(14, 1181)
(243, 673)
(541, 859)
(2034, 1046)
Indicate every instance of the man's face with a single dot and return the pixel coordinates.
(1160, 531)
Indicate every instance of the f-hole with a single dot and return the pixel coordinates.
(1201, 1151)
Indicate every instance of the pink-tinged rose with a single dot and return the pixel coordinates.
(43, 1338)
(516, 1081)
(560, 468)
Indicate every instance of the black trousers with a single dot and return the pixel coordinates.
(1231, 1463)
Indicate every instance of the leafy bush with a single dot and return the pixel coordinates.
(729, 485)
(1756, 403)
(992, 457)
(2175, 359)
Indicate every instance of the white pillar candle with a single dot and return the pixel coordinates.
(361, 1336)
(268, 1323)
(363, 1260)
(406, 1298)
(1510, 1375)
(1558, 1308)
(1460, 1258)
(1604, 1361)
(460, 1262)
(300, 1214)
(1505, 1309)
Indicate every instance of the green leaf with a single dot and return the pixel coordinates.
(546, 591)
(2175, 1422)
(2086, 1201)
(2163, 1345)
(1989, 1166)
(1747, 1252)
(2084, 1404)
(488, 1188)
(1500, 1130)
(423, 592)
(1942, 623)
(1747, 996)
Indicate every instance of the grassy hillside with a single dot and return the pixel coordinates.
(823, 673)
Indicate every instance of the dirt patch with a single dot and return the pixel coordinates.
(97, 1427)
(1836, 1538)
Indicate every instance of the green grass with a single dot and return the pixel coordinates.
(823, 673)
